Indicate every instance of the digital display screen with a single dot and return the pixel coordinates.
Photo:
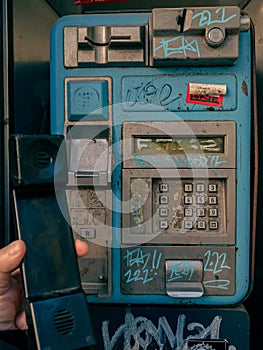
(178, 145)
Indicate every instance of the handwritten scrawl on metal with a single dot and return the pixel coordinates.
(147, 265)
(206, 17)
(139, 333)
(178, 45)
(199, 161)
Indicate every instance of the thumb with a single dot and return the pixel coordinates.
(10, 258)
(21, 321)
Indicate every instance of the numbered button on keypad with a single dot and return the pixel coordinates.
(212, 200)
(188, 187)
(163, 212)
(188, 200)
(213, 212)
(188, 212)
(200, 212)
(200, 199)
(163, 187)
(201, 225)
(200, 187)
(212, 188)
(163, 199)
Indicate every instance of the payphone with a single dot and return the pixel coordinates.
(156, 110)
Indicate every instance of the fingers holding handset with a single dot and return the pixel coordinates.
(11, 302)
(10, 289)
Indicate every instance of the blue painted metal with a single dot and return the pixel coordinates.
(236, 107)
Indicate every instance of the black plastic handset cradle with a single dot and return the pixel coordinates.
(56, 306)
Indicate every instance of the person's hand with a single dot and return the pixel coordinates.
(11, 302)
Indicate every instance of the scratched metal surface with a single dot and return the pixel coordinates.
(32, 21)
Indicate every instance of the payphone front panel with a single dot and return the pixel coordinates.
(156, 111)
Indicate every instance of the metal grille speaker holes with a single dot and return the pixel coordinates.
(43, 159)
(64, 322)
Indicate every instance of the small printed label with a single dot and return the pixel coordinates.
(204, 98)
(204, 344)
(207, 89)
(95, 2)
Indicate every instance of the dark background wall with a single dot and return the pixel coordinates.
(253, 304)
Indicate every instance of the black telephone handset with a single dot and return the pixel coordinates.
(56, 306)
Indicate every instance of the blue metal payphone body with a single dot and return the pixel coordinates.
(156, 107)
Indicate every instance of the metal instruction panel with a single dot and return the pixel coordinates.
(155, 107)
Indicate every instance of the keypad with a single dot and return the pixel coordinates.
(189, 205)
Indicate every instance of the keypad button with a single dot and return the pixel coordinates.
(163, 199)
(200, 188)
(213, 225)
(164, 224)
(213, 212)
(188, 187)
(188, 224)
(212, 188)
(188, 212)
(200, 212)
(88, 233)
(188, 200)
(212, 200)
(163, 187)
(200, 199)
(201, 225)
(163, 212)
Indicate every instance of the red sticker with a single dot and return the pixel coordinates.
(95, 2)
(207, 100)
